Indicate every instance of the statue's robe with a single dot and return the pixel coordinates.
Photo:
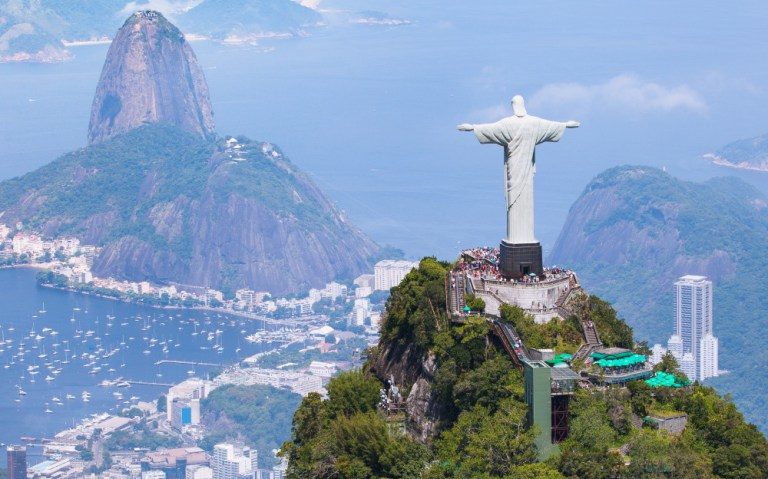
(519, 137)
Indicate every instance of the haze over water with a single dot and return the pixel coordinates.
(371, 111)
(378, 133)
(657, 83)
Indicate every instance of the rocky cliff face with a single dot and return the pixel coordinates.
(151, 75)
(170, 207)
(415, 371)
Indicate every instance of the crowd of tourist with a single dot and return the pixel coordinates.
(483, 264)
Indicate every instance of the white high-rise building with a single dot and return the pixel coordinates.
(230, 462)
(198, 472)
(694, 345)
(657, 353)
(675, 346)
(192, 388)
(361, 311)
(389, 273)
(708, 361)
(688, 365)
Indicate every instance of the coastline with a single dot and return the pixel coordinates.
(85, 43)
(719, 161)
(241, 314)
(40, 266)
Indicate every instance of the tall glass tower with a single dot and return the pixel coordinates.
(694, 340)
(17, 462)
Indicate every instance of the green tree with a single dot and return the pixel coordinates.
(483, 443)
(587, 453)
(309, 418)
(487, 385)
(352, 392)
(668, 364)
(475, 303)
(641, 397)
(656, 455)
(534, 471)
(735, 461)
(416, 307)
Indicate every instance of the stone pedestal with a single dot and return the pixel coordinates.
(518, 260)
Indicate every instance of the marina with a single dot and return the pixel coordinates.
(66, 356)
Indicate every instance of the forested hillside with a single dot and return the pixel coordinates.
(476, 399)
(635, 230)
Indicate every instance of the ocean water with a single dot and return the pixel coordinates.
(370, 111)
(77, 333)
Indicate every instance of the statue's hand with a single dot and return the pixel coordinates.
(465, 127)
(572, 124)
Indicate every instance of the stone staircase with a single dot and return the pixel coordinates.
(592, 340)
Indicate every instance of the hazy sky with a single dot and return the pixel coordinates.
(371, 111)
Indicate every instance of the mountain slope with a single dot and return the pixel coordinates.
(462, 413)
(151, 75)
(223, 19)
(169, 201)
(168, 206)
(634, 230)
(749, 154)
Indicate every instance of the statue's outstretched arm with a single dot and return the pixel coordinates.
(465, 127)
(572, 124)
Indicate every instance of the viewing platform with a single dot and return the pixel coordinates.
(543, 296)
(618, 366)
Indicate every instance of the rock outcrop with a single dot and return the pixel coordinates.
(413, 370)
(171, 203)
(151, 75)
(171, 208)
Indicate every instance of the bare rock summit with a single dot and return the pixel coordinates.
(151, 75)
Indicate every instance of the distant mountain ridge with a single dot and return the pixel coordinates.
(37, 30)
(234, 20)
(748, 154)
(634, 230)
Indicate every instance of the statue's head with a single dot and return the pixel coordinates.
(518, 106)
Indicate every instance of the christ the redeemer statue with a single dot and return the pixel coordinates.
(519, 135)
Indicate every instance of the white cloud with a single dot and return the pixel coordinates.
(313, 4)
(624, 92)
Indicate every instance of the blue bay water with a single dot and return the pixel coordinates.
(135, 335)
(370, 113)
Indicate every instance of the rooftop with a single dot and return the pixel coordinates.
(562, 374)
(168, 457)
(692, 278)
(618, 352)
